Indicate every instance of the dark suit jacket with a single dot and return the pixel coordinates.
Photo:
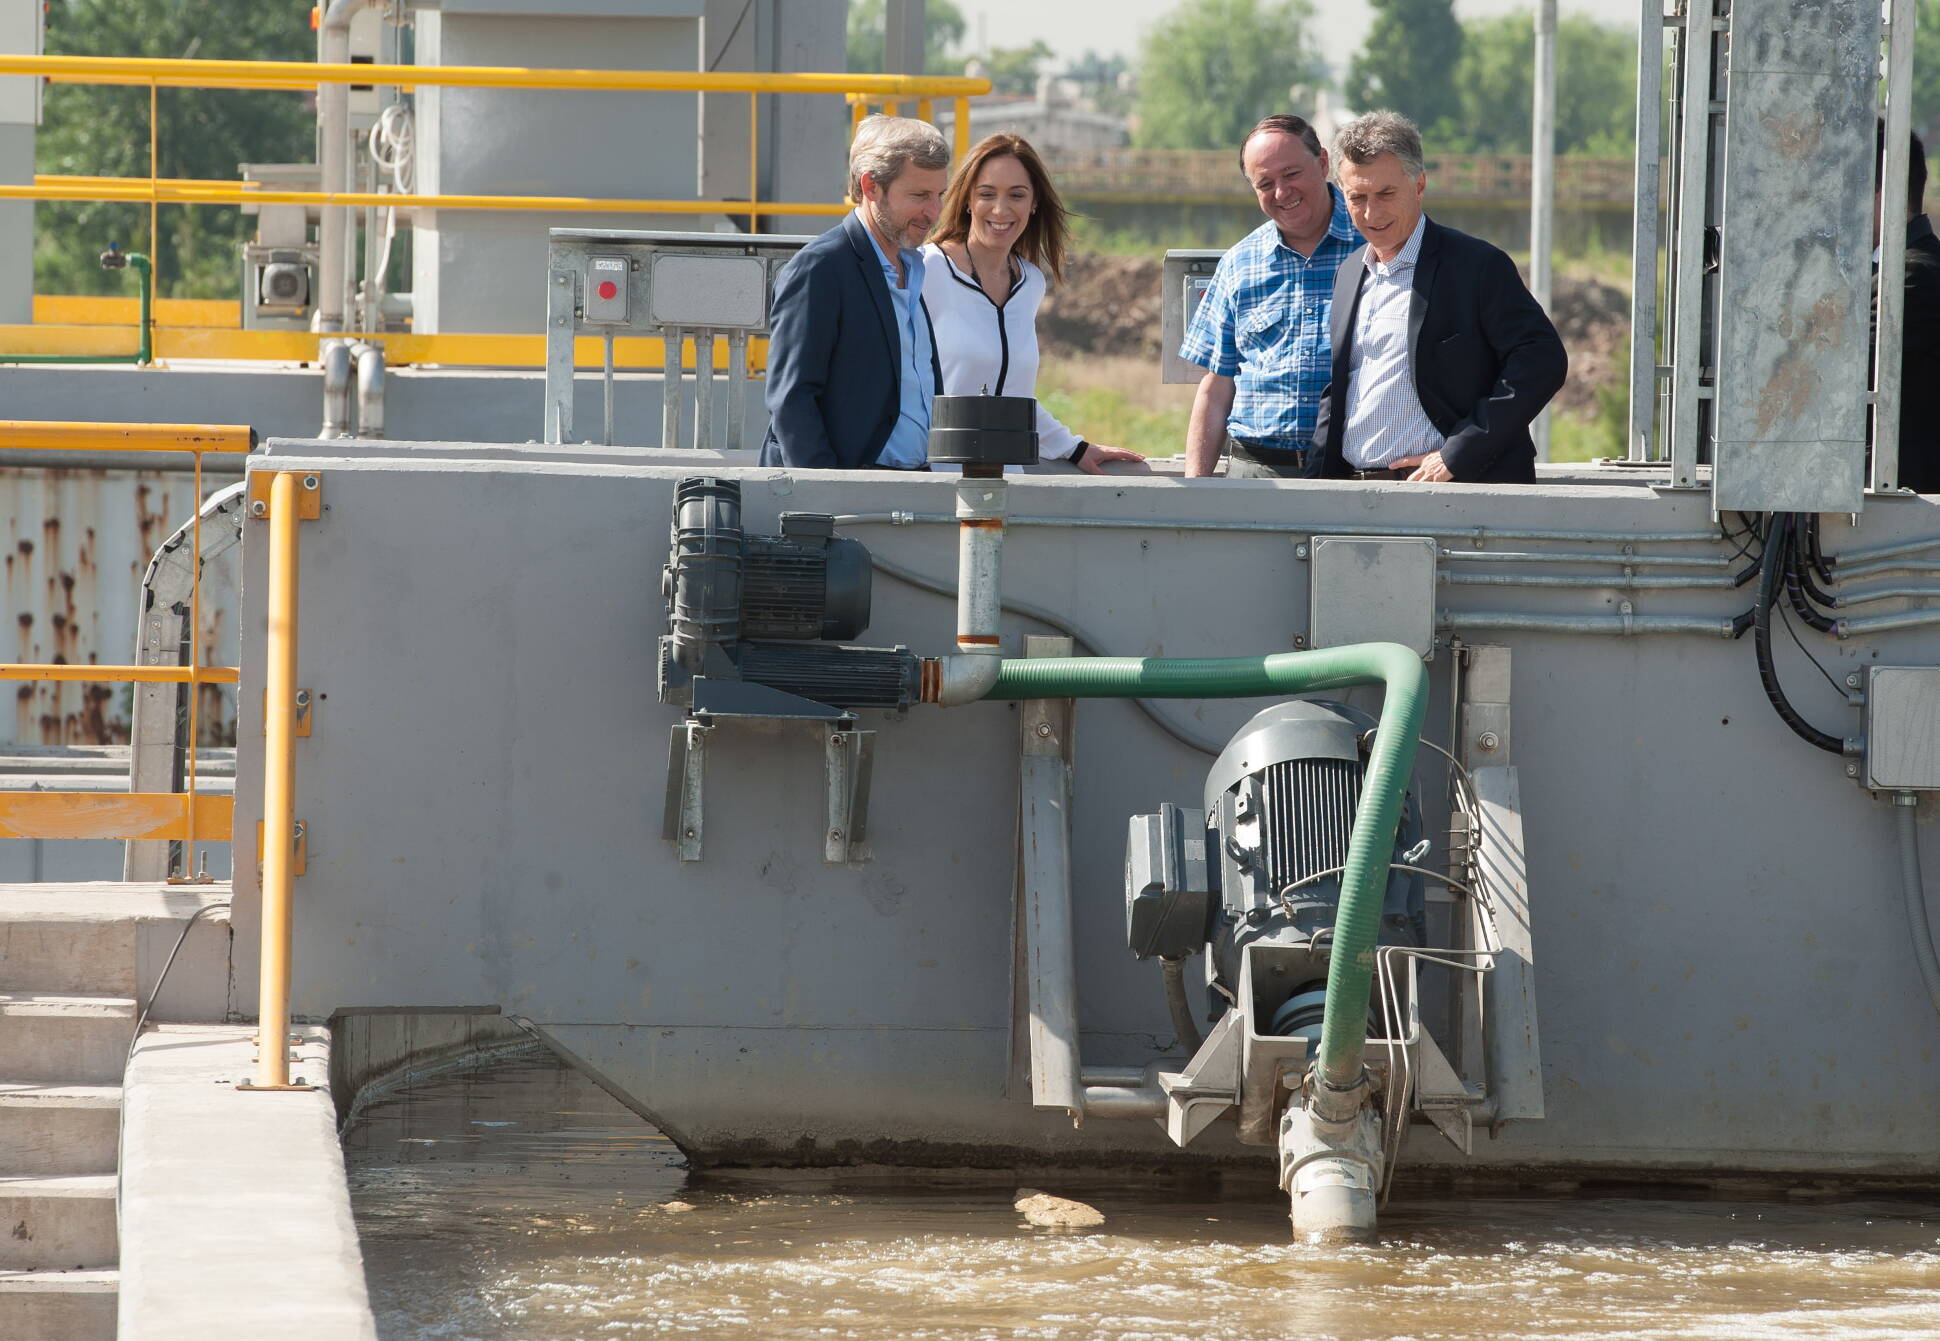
(833, 355)
(1485, 357)
(1920, 361)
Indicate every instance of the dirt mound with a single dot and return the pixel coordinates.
(1106, 305)
(1109, 305)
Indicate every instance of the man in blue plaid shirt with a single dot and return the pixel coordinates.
(1261, 331)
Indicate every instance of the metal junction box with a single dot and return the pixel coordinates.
(1373, 589)
(1903, 728)
(1188, 274)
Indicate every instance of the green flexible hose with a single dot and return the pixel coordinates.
(1364, 882)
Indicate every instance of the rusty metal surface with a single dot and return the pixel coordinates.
(74, 543)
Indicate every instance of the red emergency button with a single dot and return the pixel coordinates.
(608, 289)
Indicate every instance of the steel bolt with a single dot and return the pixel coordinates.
(309, 481)
(259, 509)
(1852, 681)
(835, 835)
(1299, 551)
(1852, 770)
(302, 698)
(1044, 730)
(1488, 742)
(1299, 640)
(687, 833)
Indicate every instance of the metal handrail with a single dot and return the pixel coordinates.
(864, 92)
(126, 815)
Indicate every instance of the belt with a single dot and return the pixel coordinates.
(1268, 453)
(905, 469)
(1385, 473)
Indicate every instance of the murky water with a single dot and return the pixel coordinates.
(523, 1203)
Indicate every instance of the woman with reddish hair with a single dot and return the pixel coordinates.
(1000, 229)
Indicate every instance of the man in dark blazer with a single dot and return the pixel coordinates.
(852, 364)
(1441, 357)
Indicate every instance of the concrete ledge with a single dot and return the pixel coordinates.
(235, 1218)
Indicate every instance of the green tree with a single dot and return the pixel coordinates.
(1014, 69)
(1408, 61)
(1209, 70)
(942, 30)
(1926, 76)
(1596, 82)
(103, 130)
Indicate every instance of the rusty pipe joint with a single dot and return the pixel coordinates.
(981, 505)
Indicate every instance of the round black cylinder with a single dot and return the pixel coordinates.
(983, 431)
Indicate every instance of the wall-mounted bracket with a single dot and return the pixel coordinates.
(305, 705)
(851, 758)
(686, 783)
(300, 857)
(309, 494)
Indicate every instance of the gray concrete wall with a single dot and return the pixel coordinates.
(1723, 974)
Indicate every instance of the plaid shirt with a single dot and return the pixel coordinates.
(1263, 322)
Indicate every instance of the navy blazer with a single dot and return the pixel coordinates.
(834, 355)
(1484, 355)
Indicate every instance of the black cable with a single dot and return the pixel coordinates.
(1817, 665)
(1797, 585)
(1815, 558)
(1772, 561)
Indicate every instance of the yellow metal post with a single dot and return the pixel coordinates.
(960, 131)
(754, 161)
(279, 790)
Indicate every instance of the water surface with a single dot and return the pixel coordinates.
(524, 1203)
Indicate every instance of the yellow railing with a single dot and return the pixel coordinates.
(864, 93)
(128, 815)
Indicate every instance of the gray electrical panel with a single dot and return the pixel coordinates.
(1188, 274)
(1903, 728)
(1795, 265)
(1373, 589)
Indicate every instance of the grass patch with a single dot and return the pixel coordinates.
(1117, 401)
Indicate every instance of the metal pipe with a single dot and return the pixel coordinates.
(1583, 580)
(1899, 619)
(333, 158)
(370, 389)
(1475, 534)
(86, 436)
(1889, 566)
(1643, 232)
(1919, 923)
(1887, 592)
(1114, 1101)
(221, 465)
(1891, 291)
(1621, 626)
(335, 357)
(1542, 179)
(1886, 551)
(193, 73)
(1627, 560)
(90, 673)
(279, 787)
(980, 554)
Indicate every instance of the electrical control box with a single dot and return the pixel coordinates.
(1168, 883)
(1188, 274)
(1373, 589)
(605, 302)
(1903, 728)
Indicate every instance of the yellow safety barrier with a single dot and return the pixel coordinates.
(127, 815)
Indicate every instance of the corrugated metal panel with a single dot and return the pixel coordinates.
(74, 546)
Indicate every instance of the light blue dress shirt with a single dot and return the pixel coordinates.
(909, 440)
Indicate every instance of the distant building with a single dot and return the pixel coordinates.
(1055, 124)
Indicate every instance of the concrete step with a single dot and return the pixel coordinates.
(114, 937)
(58, 1224)
(58, 1129)
(50, 1038)
(58, 1305)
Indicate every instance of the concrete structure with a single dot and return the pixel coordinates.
(78, 964)
(235, 1218)
(1674, 907)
